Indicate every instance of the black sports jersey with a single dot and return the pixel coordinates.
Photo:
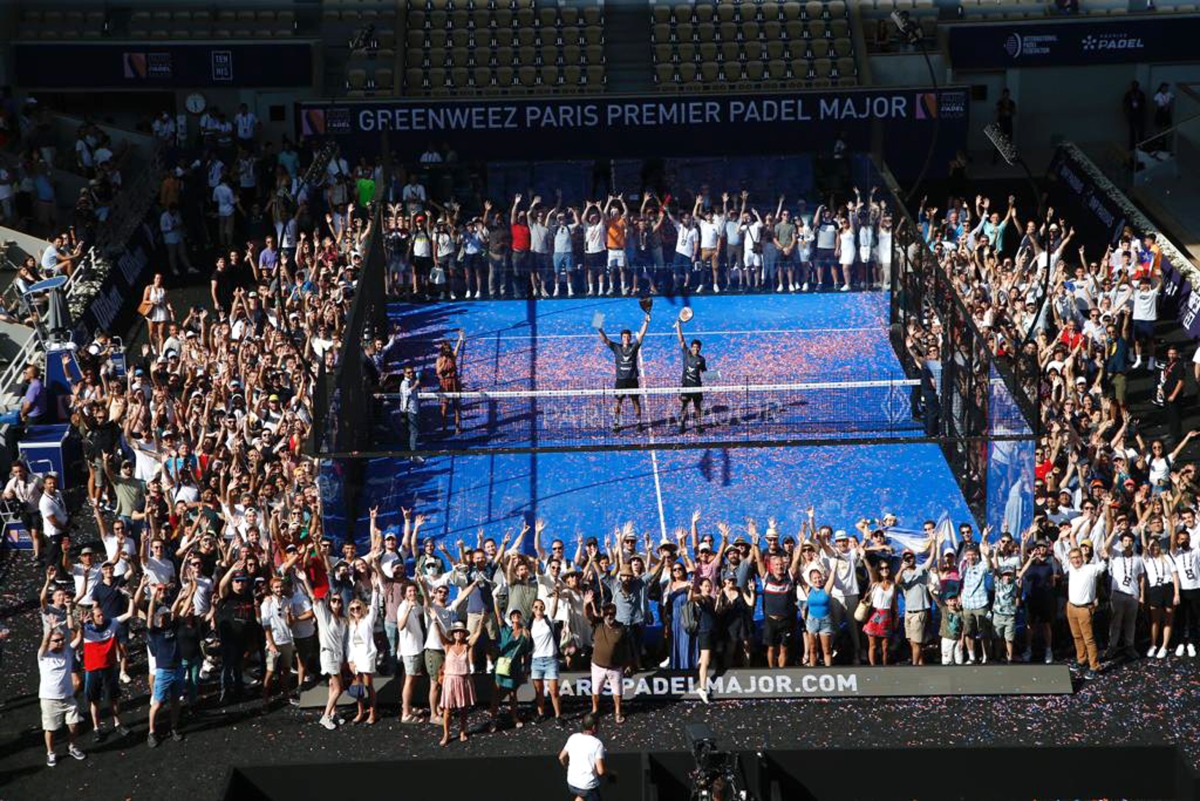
(693, 366)
(626, 358)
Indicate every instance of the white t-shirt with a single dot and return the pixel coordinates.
(300, 605)
(53, 505)
(1145, 305)
(543, 638)
(412, 639)
(583, 752)
(1081, 582)
(50, 258)
(245, 124)
(710, 232)
(93, 578)
(685, 241)
(160, 571)
(54, 670)
(202, 597)
(274, 617)
(110, 548)
(437, 616)
(225, 199)
(593, 238)
(1187, 565)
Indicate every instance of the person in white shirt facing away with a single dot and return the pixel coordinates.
(583, 756)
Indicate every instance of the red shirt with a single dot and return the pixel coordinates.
(99, 646)
(1071, 339)
(318, 579)
(1040, 471)
(520, 237)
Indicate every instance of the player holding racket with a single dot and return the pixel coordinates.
(626, 354)
(693, 365)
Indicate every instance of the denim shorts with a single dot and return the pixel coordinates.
(818, 625)
(544, 667)
(168, 684)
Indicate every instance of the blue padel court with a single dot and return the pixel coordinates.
(779, 368)
(588, 488)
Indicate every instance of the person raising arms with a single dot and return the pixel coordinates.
(693, 365)
(625, 353)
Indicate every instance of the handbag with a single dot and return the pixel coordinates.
(437, 275)
(144, 308)
(504, 666)
(862, 612)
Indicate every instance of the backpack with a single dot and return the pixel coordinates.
(689, 617)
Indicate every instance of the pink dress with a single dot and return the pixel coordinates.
(458, 686)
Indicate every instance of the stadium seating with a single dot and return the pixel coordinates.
(502, 48)
(195, 21)
(764, 44)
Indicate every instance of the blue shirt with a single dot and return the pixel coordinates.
(974, 589)
(35, 396)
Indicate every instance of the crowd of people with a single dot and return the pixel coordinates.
(543, 248)
(212, 551)
(231, 584)
(193, 443)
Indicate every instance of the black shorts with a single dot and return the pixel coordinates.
(422, 264)
(596, 261)
(308, 649)
(778, 631)
(1161, 597)
(1040, 609)
(627, 383)
(694, 398)
(704, 640)
(98, 683)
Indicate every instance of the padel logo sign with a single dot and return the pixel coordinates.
(848, 682)
(736, 684)
(1126, 40)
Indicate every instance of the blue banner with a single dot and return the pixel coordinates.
(1122, 39)
(113, 306)
(680, 126)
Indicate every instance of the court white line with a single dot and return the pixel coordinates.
(662, 517)
(717, 389)
(882, 328)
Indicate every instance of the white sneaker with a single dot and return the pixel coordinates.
(1151, 652)
(589, 292)
(556, 292)
(666, 663)
(75, 752)
(1179, 649)
(51, 759)
(716, 291)
(983, 657)
(453, 296)
(1137, 362)
(1191, 649)
(779, 288)
(125, 678)
(703, 693)
(845, 288)
(1049, 659)
(970, 657)
(804, 287)
(699, 289)
(1162, 653)
(570, 293)
(327, 722)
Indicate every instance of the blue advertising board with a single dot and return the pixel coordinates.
(1123, 39)
(639, 127)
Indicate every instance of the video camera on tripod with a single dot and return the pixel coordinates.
(718, 774)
